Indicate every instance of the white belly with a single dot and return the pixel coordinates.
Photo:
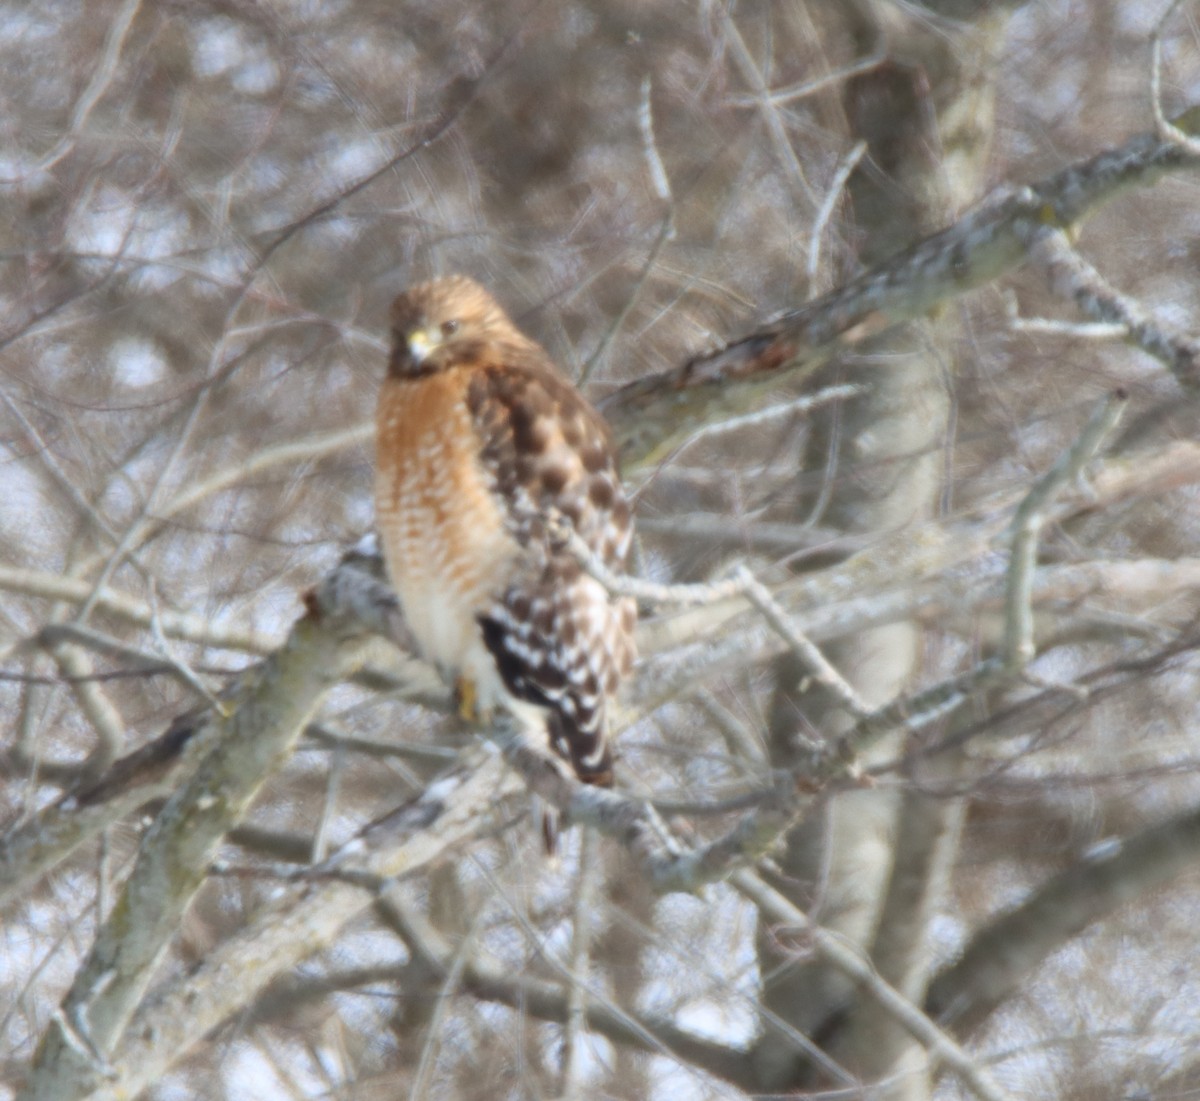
(448, 556)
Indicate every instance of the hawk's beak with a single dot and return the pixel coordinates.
(421, 342)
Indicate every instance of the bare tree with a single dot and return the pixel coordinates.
(894, 333)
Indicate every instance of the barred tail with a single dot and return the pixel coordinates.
(588, 750)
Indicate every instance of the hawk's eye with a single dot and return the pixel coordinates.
(449, 328)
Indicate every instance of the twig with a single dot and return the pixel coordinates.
(1075, 330)
(912, 713)
(289, 454)
(752, 75)
(1072, 275)
(591, 866)
(825, 210)
(658, 172)
(823, 673)
(835, 951)
(329, 804)
(661, 186)
(810, 87)
(419, 1089)
(745, 743)
(134, 661)
(563, 535)
(53, 586)
(1167, 130)
(806, 403)
(106, 70)
(182, 669)
(106, 720)
(1019, 647)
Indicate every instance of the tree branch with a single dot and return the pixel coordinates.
(1007, 950)
(262, 719)
(653, 415)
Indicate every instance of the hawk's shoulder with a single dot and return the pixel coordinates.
(546, 447)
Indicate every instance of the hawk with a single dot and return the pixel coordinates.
(483, 447)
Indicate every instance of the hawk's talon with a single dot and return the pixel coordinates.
(466, 699)
(466, 702)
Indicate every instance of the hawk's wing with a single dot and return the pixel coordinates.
(559, 639)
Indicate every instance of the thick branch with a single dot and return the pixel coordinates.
(308, 918)
(35, 846)
(653, 415)
(1004, 953)
(262, 720)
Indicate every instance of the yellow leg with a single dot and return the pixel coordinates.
(468, 701)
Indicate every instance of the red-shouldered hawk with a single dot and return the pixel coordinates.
(479, 440)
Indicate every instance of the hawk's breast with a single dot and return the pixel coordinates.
(442, 528)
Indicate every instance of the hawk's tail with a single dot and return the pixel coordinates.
(586, 747)
(590, 755)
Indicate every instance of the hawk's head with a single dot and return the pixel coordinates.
(450, 322)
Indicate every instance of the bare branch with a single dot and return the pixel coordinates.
(488, 978)
(456, 808)
(1027, 524)
(832, 194)
(584, 907)
(261, 724)
(1073, 277)
(652, 415)
(845, 958)
(103, 75)
(1008, 948)
(189, 628)
(33, 847)
(1167, 129)
(823, 673)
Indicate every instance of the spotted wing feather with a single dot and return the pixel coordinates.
(558, 637)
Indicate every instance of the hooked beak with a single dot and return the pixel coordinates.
(421, 342)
